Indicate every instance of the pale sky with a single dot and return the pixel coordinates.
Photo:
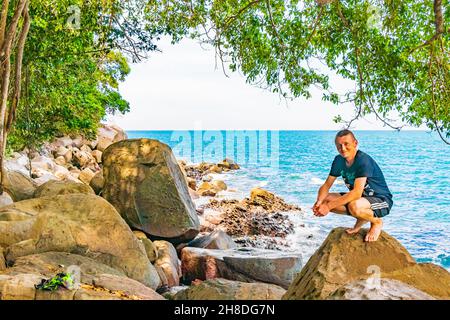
(180, 89)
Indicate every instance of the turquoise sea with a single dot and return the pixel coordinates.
(293, 164)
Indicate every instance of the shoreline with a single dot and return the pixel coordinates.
(235, 239)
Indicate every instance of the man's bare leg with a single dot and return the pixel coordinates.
(343, 210)
(360, 209)
(358, 225)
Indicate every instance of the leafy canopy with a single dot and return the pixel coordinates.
(396, 52)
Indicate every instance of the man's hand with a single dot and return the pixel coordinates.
(322, 210)
(316, 205)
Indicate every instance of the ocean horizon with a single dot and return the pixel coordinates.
(294, 163)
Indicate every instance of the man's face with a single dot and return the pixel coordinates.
(346, 146)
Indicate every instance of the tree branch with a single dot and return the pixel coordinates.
(10, 34)
(4, 18)
(233, 17)
(18, 69)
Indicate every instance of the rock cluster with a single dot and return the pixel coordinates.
(222, 289)
(337, 268)
(260, 214)
(66, 158)
(240, 264)
(122, 244)
(144, 182)
(199, 176)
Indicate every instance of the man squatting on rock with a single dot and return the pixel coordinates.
(369, 198)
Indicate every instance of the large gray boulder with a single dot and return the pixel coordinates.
(96, 280)
(218, 239)
(144, 182)
(243, 264)
(2, 260)
(83, 224)
(19, 186)
(383, 289)
(55, 188)
(222, 289)
(344, 259)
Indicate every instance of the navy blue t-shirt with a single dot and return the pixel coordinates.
(363, 166)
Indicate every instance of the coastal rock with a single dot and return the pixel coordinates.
(261, 197)
(97, 154)
(75, 172)
(427, 277)
(60, 161)
(151, 250)
(43, 163)
(207, 189)
(385, 289)
(48, 264)
(243, 218)
(120, 133)
(19, 163)
(139, 234)
(228, 164)
(267, 266)
(85, 148)
(78, 141)
(344, 258)
(92, 275)
(21, 287)
(86, 175)
(144, 182)
(2, 260)
(5, 199)
(168, 261)
(219, 185)
(60, 151)
(269, 201)
(83, 159)
(56, 188)
(204, 264)
(131, 288)
(61, 172)
(19, 186)
(243, 264)
(91, 143)
(192, 183)
(217, 239)
(41, 176)
(222, 289)
(62, 142)
(75, 223)
(18, 287)
(97, 182)
(107, 135)
(68, 156)
(215, 169)
(103, 143)
(207, 178)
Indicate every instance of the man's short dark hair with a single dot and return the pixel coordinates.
(344, 133)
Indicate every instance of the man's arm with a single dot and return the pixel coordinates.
(352, 195)
(323, 190)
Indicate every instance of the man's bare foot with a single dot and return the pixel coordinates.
(375, 231)
(359, 223)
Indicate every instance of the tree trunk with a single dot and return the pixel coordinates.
(7, 35)
(438, 18)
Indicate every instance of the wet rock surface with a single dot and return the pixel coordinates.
(241, 264)
(222, 289)
(344, 258)
(250, 217)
